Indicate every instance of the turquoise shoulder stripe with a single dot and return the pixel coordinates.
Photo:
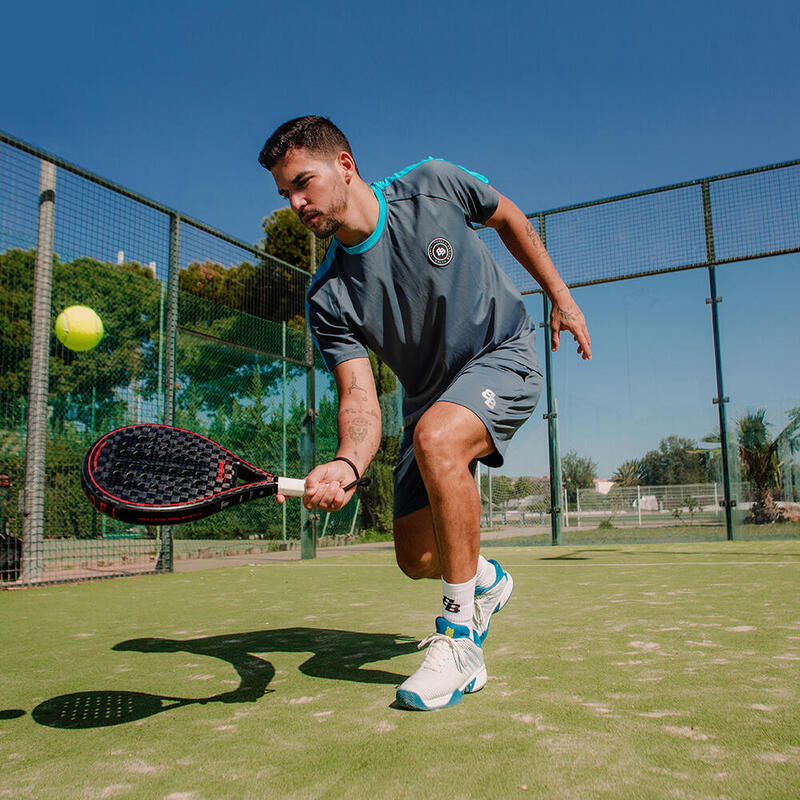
(381, 185)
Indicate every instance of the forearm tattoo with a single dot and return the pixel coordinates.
(355, 387)
(533, 236)
(359, 427)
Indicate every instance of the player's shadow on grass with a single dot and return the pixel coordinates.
(336, 655)
(575, 555)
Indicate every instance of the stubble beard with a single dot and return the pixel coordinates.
(326, 223)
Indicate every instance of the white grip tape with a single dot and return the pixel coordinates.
(291, 487)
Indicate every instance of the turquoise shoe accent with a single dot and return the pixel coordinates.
(489, 600)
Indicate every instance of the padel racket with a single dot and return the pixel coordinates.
(159, 475)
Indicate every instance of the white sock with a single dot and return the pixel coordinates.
(457, 601)
(487, 574)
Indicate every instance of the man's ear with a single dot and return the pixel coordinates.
(346, 163)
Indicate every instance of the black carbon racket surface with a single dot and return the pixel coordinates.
(157, 474)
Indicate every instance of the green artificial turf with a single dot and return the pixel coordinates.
(619, 671)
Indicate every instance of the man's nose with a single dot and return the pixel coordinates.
(297, 202)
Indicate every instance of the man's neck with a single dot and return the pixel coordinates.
(362, 215)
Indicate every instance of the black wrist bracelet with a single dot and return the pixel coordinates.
(359, 481)
(348, 461)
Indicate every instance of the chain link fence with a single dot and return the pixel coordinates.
(201, 331)
(207, 332)
(710, 223)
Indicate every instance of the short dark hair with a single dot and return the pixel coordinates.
(317, 134)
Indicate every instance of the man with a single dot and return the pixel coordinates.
(407, 277)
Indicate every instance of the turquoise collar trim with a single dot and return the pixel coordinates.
(372, 239)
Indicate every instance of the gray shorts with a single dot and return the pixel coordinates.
(502, 389)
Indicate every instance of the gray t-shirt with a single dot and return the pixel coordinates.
(422, 291)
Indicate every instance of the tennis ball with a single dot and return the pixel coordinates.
(79, 328)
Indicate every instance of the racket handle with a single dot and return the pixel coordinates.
(291, 487)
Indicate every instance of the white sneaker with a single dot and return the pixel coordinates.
(452, 667)
(490, 601)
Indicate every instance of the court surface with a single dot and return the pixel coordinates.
(617, 671)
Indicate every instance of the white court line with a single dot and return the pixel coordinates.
(670, 564)
(575, 562)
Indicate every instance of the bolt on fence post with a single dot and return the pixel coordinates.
(33, 499)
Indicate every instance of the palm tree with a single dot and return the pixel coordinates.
(628, 473)
(761, 462)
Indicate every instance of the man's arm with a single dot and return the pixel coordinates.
(359, 423)
(522, 241)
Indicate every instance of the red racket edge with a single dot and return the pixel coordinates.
(142, 514)
(139, 513)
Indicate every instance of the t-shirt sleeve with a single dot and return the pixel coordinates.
(334, 339)
(469, 189)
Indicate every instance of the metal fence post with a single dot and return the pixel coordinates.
(308, 454)
(552, 414)
(283, 424)
(490, 500)
(33, 497)
(720, 400)
(308, 519)
(167, 553)
(639, 503)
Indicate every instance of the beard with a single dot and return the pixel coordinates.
(325, 223)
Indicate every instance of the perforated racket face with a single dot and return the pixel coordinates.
(158, 474)
(156, 465)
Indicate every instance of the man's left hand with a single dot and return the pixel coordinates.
(566, 316)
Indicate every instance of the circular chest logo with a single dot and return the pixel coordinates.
(440, 252)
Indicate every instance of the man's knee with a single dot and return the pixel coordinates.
(432, 446)
(418, 565)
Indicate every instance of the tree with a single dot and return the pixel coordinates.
(84, 386)
(759, 457)
(677, 461)
(628, 473)
(578, 473)
(523, 487)
(286, 238)
(269, 291)
(377, 498)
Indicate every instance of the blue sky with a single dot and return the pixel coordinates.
(555, 103)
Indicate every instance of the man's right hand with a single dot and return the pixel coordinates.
(324, 486)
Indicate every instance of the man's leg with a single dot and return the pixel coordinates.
(415, 545)
(447, 439)
(443, 539)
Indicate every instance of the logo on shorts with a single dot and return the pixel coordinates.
(440, 252)
(489, 399)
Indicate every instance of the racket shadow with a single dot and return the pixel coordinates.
(103, 708)
(335, 655)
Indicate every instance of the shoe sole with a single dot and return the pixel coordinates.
(504, 598)
(413, 701)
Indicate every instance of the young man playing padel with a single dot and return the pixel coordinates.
(407, 277)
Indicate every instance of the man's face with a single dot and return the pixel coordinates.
(316, 189)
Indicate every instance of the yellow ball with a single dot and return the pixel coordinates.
(79, 328)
